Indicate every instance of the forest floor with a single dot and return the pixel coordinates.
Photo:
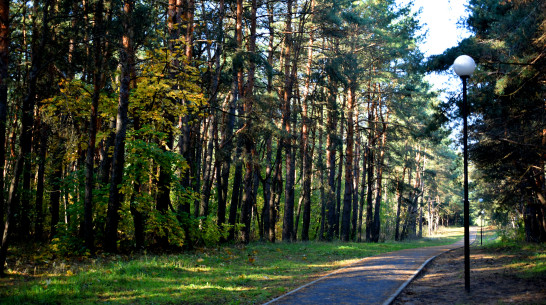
(230, 274)
(513, 273)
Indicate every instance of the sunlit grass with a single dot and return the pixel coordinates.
(227, 275)
(527, 259)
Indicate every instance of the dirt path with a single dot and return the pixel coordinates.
(495, 278)
(373, 280)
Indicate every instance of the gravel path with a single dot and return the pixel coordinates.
(373, 280)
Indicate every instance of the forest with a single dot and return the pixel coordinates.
(168, 125)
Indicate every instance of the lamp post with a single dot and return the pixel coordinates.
(481, 231)
(464, 66)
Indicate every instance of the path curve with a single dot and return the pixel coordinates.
(372, 280)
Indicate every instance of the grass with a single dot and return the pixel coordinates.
(528, 260)
(247, 274)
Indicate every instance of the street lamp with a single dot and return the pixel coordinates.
(481, 232)
(464, 66)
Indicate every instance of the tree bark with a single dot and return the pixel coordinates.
(89, 163)
(115, 197)
(239, 82)
(208, 170)
(268, 222)
(276, 192)
(338, 184)
(105, 167)
(322, 182)
(4, 77)
(288, 219)
(400, 193)
(371, 161)
(362, 192)
(26, 125)
(331, 145)
(249, 197)
(56, 180)
(380, 167)
(349, 188)
(42, 153)
(236, 191)
(356, 179)
(306, 154)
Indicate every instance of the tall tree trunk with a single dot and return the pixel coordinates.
(276, 192)
(224, 156)
(211, 169)
(56, 180)
(236, 191)
(322, 180)
(268, 225)
(26, 123)
(400, 193)
(221, 211)
(307, 167)
(380, 167)
(115, 197)
(349, 189)
(25, 213)
(371, 161)
(338, 186)
(331, 145)
(356, 180)
(407, 223)
(163, 199)
(414, 197)
(208, 170)
(362, 192)
(134, 206)
(398, 208)
(340, 170)
(306, 154)
(225, 150)
(249, 197)
(288, 219)
(4, 77)
(42, 150)
(105, 167)
(89, 163)
(185, 12)
(267, 188)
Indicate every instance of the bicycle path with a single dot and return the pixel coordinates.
(372, 280)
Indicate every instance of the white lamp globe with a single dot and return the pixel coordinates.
(464, 65)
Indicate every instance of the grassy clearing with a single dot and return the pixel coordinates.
(227, 275)
(527, 260)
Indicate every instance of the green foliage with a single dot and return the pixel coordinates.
(68, 112)
(142, 159)
(166, 224)
(509, 233)
(66, 244)
(168, 87)
(206, 232)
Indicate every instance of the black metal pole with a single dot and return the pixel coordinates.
(481, 233)
(466, 203)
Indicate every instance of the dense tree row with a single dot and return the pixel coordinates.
(508, 98)
(174, 124)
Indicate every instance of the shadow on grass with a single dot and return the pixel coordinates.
(240, 274)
